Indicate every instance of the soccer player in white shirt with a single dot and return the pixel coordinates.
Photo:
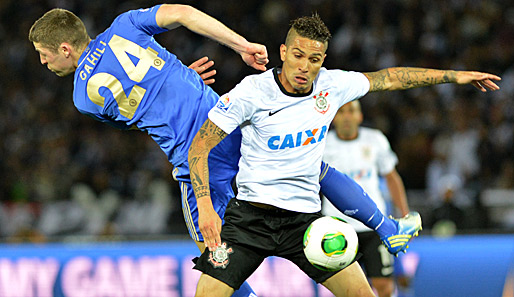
(365, 155)
(284, 115)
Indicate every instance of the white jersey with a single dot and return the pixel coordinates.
(284, 134)
(363, 159)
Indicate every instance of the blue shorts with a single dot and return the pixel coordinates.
(223, 167)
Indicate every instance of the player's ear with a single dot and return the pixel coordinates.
(360, 118)
(66, 49)
(283, 49)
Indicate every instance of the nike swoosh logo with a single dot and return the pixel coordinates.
(274, 112)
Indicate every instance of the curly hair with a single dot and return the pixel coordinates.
(309, 27)
(58, 26)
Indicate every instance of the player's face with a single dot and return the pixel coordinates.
(347, 120)
(302, 60)
(58, 62)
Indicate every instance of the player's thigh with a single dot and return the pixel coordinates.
(230, 263)
(349, 282)
(210, 287)
(242, 248)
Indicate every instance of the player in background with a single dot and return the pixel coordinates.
(284, 114)
(365, 155)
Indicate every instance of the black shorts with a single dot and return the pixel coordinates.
(250, 234)
(376, 261)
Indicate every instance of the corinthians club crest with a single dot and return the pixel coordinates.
(219, 258)
(321, 103)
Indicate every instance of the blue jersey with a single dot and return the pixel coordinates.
(125, 78)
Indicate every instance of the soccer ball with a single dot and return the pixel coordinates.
(330, 243)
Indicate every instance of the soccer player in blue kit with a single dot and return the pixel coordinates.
(125, 78)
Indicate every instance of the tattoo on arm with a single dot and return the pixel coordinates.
(205, 140)
(414, 77)
(378, 80)
(402, 78)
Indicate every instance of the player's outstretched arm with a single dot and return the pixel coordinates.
(171, 16)
(401, 78)
(209, 222)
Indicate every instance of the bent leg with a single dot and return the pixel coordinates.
(349, 282)
(244, 291)
(349, 198)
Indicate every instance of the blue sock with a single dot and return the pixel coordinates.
(244, 291)
(349, 198)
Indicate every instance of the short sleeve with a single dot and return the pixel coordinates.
(235, 107)
(144, 20)
(352, 85)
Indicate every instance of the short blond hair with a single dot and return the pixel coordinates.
(57, 26)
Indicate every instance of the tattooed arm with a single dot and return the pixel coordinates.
(205, 140)
(401, 78)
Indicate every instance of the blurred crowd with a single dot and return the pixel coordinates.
(65, 174)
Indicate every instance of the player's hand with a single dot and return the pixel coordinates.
(209, 223)
(480, 80)
(200, 66)
(256, 56)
